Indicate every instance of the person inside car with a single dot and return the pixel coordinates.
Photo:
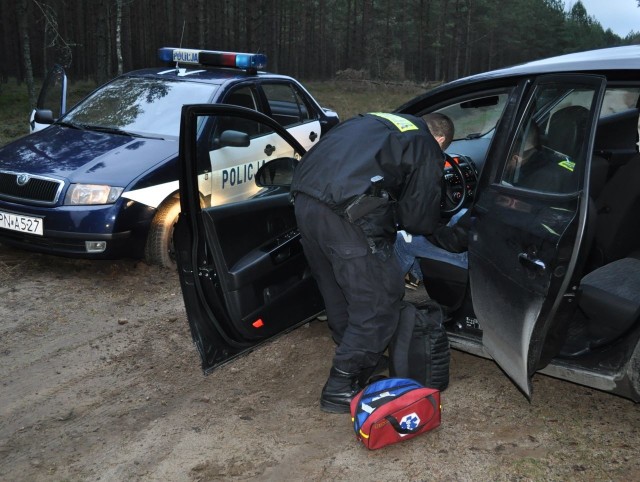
(349, 190)
(410, 247)
(448, 244)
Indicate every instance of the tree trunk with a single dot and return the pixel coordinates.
(102, 52)
(23, 27)
(202, 22)
(119, 36)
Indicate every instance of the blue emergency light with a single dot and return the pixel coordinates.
(213, 58)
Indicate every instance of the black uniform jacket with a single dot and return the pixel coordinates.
(399, 148)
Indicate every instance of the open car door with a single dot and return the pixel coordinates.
(52, 101)
(529, 221)
(244, 276)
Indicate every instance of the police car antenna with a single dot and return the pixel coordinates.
(181, 39)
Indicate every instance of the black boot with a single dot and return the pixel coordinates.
(337, 393)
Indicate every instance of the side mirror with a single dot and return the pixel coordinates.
(276, 173)
(43, 116)
(234, 139)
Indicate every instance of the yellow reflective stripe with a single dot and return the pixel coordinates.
(567, 164)
(363, 435)
(549, 229)
(400, 122)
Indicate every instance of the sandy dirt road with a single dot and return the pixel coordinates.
(100, 381)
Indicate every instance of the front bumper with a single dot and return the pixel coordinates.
(122, 226)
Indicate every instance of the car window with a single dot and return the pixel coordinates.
(615, 100)
(619, 99)
(548, 150)
(140, 105)
(477, 116)
(242, 97)
(286, 104)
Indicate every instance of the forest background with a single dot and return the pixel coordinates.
(421, 41)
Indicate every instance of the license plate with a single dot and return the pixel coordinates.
(18, 222)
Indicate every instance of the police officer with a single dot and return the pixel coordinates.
(366, 178)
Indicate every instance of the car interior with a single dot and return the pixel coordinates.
(608, 270)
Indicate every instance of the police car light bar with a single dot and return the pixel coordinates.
(213, 58)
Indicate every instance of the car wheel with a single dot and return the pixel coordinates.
(159, 249)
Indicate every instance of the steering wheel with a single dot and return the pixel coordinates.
(454, 188)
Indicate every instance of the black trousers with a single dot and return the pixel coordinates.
(362, 291)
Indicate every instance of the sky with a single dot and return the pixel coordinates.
(621, 16)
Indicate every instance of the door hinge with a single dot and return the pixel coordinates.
(207, 272)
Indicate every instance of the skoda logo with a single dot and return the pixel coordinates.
(22, 179)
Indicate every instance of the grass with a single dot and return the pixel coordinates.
(15, 110)
(347, 98)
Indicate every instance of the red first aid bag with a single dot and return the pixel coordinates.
(392, 410)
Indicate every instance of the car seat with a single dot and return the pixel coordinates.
(618, 219)
(610, 299)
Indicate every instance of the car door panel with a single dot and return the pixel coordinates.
(307, 133)
(524, 241)
(511, 291)
(264, 264)
(243, 272)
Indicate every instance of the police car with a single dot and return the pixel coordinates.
(101, 180)
(553, 276)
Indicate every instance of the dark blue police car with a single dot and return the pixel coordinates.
(101, 180)
(546, 159)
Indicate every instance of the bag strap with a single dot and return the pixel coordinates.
(398, 428)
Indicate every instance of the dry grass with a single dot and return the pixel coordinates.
(349, 98)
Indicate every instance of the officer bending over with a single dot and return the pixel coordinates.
(366, 178)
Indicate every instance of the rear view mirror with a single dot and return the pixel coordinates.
(481, 102)
(43, 116)
(277, 173)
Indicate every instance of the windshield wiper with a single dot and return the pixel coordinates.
(69, 124)
(116, 130)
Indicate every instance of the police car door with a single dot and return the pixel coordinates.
(530, 217)
(243, 274)
(289, 107)
(52, 101)
(232, 167)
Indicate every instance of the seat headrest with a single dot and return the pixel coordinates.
(566, 130)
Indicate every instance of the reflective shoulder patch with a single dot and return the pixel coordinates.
(567, 164)
(400, 122)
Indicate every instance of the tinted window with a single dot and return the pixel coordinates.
(286, 104)
(548, 150)
(243, 97)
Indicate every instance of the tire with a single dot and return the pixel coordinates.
(159, 249)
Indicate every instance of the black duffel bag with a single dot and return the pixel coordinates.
(419, 348)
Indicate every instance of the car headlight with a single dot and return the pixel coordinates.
(85, 194)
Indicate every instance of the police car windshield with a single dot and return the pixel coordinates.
(144, 106)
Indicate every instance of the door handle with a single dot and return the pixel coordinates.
(531, 262)
(269, 149)
(313, 136)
